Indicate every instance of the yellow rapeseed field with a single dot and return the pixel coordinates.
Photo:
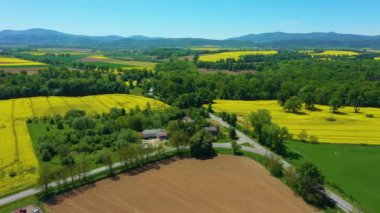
(9, 62)
(17, 153)
(377, 58)
(99, 57)
(336, 53)
(234, 54)
(349, 127)
(42, 52)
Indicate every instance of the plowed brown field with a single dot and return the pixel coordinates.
(223, 184)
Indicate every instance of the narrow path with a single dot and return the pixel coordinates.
(259, 149)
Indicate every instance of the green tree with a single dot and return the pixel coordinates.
(106, 159)
(180, 140)
(259, 119)
(83, 165)
(307, 94)
(45, 177)
(236, 148)
(285, 92)
(293, 104)
(127, 136)
(310, 184)
(355, 98)
(275, 166)
(201, 145)
(273, 136)
(335, 103)
(232, 133)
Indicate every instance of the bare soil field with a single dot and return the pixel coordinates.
(223, 184)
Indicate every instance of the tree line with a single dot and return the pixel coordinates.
(353, 83)
(58, 81)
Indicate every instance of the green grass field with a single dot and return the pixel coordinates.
(353, 169)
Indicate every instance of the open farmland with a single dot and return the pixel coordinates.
(351, 168)
(18, 156)
(234, 54)
(188, 185)
(348, 127)
(116, 63)
(16, 62)
(377, 58)
(336, 53)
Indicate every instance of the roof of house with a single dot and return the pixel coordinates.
(211, 128)
(152, 131)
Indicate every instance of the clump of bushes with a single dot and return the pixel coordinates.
(332, 119)
(275, 166)
(369, 115)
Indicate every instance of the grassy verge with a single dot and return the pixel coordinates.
(32, 200)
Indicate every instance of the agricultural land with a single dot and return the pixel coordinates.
(16, 62)
(234, 54)
(336, 53)
(348, 127)
(351, 169)
(19, 160)
(115, 63)
(187, 185)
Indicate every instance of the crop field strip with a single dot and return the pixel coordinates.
(20, 155)
(13, 62)
(349, 127)
(234, 54)
(336, 53)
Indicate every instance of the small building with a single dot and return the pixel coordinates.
(212, 129)
(155, 134)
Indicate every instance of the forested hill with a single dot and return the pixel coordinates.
(311, 40)
(51, 38)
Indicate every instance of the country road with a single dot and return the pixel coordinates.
(259, 149)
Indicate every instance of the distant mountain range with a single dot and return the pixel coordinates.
(51, 38)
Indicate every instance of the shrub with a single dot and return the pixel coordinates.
(369, 115)
(330, 119)
(313, 139)
(236, 148)
(275, 166)
(303, 135)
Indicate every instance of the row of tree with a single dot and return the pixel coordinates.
(344, 82)
(58, 81)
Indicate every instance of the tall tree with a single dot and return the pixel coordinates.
(258, 119)
(310, 184)
(274, 137)
(201, 145)
(293, 104)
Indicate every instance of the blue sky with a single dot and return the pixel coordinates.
(192, 18)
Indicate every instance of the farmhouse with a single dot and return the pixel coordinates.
(155, 133)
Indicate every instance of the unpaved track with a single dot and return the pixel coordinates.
(223, 184)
